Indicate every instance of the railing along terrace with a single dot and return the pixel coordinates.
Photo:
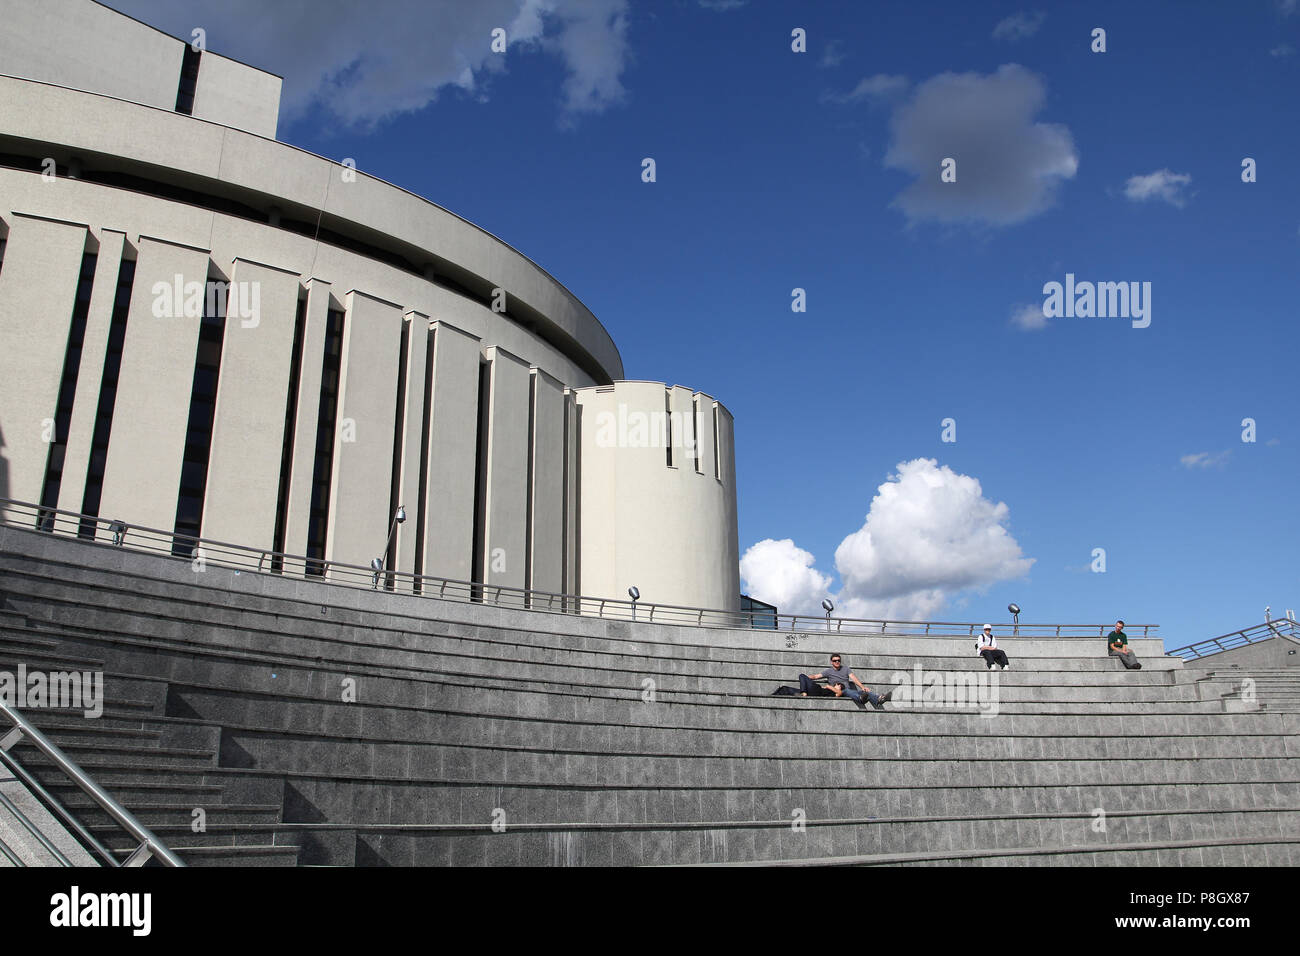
(1249, 635)
(110, 532)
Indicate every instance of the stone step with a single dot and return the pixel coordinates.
(34, 658)
(99, 755)
(141, 794)
(239, 856)
(65, 732)
(179, 816)
(758, 678)
(193, 614)
(480, 764)
(236, 785)
(333, 799)
(1275, 850)
(729, 715)
(750, 841)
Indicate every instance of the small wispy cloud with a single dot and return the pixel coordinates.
(1162, 184)
(1029, 318)
(1285, 49)
(1273, 442)
(1203, 459)
(833, 55)
(722, 5)
(1019, 26)
(874, 89)
(1286, 7)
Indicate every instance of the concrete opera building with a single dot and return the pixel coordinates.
(206, 331)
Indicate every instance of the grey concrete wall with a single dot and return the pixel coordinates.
(234, 94)
(667, 529)
(38, 288)
(90, 376)
(243, 489)
(505, 472)
(147, 141)
(547, 481)
(448, 508)
(87, 46)
(149, 425)
(1274, 652)
(363, 445)
(142, 475)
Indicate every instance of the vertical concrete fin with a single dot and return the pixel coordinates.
(243, 486)
(142, 474)
(363, 442)
(506, 472)
(38, 289)
(298, 508)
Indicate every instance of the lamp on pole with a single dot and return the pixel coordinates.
(1015, 616)
(377, 565)
(635, 594)
(828, 606)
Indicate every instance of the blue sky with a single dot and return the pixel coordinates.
(778, 170)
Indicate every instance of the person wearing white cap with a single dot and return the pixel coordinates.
(987, 648)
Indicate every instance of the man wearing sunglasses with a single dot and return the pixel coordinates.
(839, 679)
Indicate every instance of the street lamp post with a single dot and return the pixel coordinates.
(377, 565)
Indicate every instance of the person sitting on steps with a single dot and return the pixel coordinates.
(1117, 646)
(838, 677)
(987, 648)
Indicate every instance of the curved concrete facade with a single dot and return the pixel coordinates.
(213, 333)
(658, 507)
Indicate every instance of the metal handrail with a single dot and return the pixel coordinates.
(9, 855)
(62, 812)
(148, 846)
(241, 557)
(1284, 627)
(31, 828)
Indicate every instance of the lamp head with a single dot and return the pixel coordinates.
(634, 593)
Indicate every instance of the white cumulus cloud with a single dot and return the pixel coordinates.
(781, 573)
(1007, 165)
(1162, 184)
(929, 535)
(366, 62)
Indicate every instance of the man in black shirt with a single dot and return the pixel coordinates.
(1117, 646)
(839, 679)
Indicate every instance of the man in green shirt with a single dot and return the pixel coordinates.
(1117, 646)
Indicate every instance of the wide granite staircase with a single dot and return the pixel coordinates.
(322, 725)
